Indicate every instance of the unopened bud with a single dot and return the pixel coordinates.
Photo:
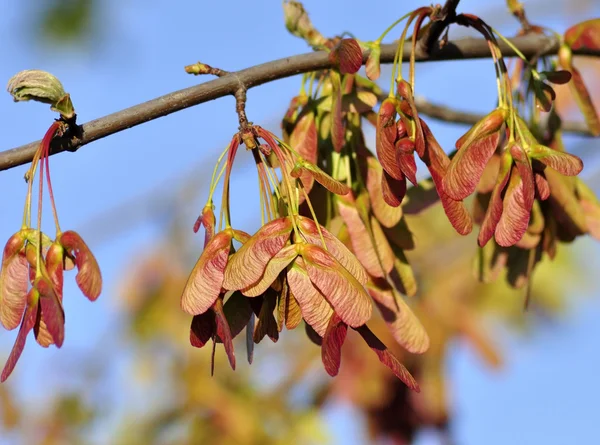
(298, 23)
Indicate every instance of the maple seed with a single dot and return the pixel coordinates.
(347, 56)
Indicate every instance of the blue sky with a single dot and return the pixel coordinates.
(140, 54)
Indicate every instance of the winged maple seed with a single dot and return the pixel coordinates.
(33, 265)
(291, 266)
(521, 175)
(31, 294)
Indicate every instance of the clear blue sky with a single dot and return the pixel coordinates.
(548, 391)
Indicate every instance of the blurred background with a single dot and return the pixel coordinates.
(127, 374)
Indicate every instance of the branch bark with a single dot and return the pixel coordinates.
(468, 48)
(434, 32)
(446, 114)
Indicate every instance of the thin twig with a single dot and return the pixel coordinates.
(469, 48)
(447, 15)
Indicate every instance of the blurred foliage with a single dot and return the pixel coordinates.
(66, 21)
(278, 399)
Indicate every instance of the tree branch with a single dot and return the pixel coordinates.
(434, 32)
(447, 114)
(469, 48)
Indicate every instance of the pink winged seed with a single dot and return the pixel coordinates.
(564, 163)
(404, 325)
(387, 358)
(467, 166)
(308, 229)
(315, 309)
(248, 264)
(385, 138)
(387, 215)
(515, 213)
(393, 190)
(437, 162)
(51, 311)
(26, 326)
(494, 210)
(366, 252)
(14, 278)
(204, 283)
(347, 296)
(331, 348)
(274, 267)
(223, 331)
(202, 329)
(89, 278)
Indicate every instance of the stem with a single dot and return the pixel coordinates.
(509, 44)
(416, 30)
(314, 215)
(38, 252)
(225, 211)
(54, 129)
(213, 182)
(392, 26)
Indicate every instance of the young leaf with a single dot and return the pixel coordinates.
(331, 348)
(206, 280)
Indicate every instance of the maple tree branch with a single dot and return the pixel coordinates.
(434, 32)
(467, 48)
(447, 114)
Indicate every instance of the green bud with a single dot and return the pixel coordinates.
(41, 86)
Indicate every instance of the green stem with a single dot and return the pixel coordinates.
(392, 26)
